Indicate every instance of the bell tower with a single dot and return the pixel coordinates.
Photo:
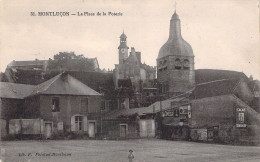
(123, 49)
(175, 63)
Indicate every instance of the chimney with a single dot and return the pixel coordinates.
(138, 55)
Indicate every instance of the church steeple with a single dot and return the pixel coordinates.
(175, 27)
(123, 41)
(175, 45)
(175, 62)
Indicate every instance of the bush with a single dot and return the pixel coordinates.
(8, 137)
(71, 135)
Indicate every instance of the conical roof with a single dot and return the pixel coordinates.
(123, 35)
(175, 45)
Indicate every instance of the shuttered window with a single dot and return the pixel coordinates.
(78, 123)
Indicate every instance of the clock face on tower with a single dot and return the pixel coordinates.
(123, 50)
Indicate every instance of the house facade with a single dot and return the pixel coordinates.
(64, 104)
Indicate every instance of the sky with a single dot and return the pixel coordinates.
(224, 34)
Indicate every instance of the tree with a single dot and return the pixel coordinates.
(67, 56)
(71, 61)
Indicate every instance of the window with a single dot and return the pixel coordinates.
(55, 104)
(78, 123)
(165, 88)
(84, 104)
(186, 64)
(160, 65)
(165, 65)
(103, 105)
(178, 64)
(106, 105)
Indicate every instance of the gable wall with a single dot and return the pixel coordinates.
(69, 106)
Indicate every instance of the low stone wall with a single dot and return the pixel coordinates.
(25, 126)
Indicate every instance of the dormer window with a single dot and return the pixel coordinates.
(177, 64)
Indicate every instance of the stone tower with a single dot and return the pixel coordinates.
(123, 49)
(175, 63)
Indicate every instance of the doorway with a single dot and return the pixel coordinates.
(91, 129)
(48, 130)
(123, 130)
(147, 128)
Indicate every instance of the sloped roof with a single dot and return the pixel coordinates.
(123, 35)
(15, 91)
(208, 75)
(94, 80)
(215, 88)
(64, 84)
(147, 67)
(26, 63)
(154, 108)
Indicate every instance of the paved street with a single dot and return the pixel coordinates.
(145, 150)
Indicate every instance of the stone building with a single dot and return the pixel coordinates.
(63, 103)
(44, 65)
(175, 63)
(218, 105)
(131, 68)
(31, 64)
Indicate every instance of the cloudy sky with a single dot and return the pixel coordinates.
(224, 34)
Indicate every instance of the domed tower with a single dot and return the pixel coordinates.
(175, 63)
(123, 48)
